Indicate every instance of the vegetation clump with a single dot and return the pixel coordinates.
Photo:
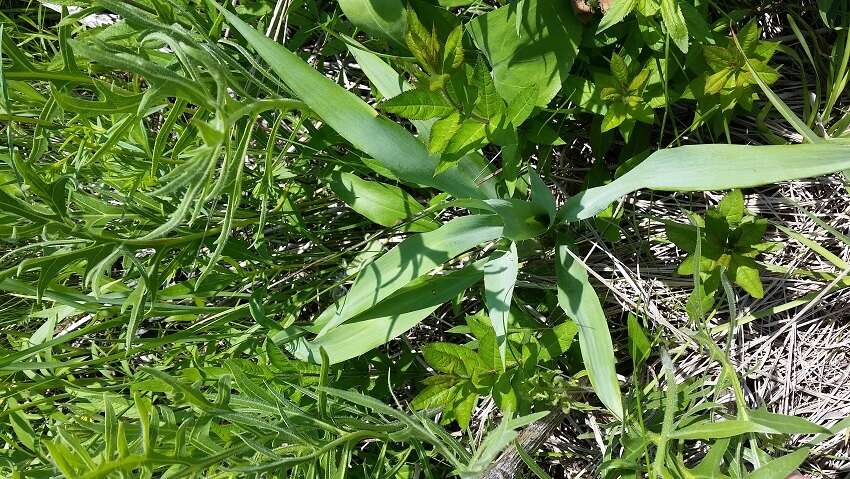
(422, 238)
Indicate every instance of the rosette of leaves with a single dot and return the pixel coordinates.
(727, 80)
(466, 372)
(624, 96)
(725, 242)
(459, 100)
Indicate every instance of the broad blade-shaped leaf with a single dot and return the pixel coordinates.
(499, 279)
(616, 12)
(384, 204)
(713, 430)
(386, 320)
(541, 195)
(522, 219)
(785, 424)
(712, 167)
(414, 257)
(781, 466)
(578, 299)
(385, 19)
(387, 142)
(529, 43)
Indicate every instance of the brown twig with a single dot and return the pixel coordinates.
(530, 439)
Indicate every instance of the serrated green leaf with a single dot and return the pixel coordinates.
(744, 272)
(439, 393)
(489, 104)
(418, 104)
(556, 341)
(505, 396)
(470, 135)
(717, 81)
(453, 359)
(614, 117)
(619, 69)
(453, 49)
(674, 22)
(464, 406)
(731, 207)
(442, 132)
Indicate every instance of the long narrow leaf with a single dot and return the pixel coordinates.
(712, 167)
(414, 257)
(499, 280)
(578, 299)
(382, 18)
(387, 142)
(388, 319)
(781, 466)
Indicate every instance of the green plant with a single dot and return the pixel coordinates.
(477, 369)
(625, 99)
(727, 242)
(661, 423)
(219, 260)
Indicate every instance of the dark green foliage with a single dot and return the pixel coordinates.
(727, 242)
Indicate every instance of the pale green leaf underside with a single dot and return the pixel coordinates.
(781, 466)
(388, 319)
(386, 205)
(385, 19)
(712, 167)
(499, 279)
(578, 299)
